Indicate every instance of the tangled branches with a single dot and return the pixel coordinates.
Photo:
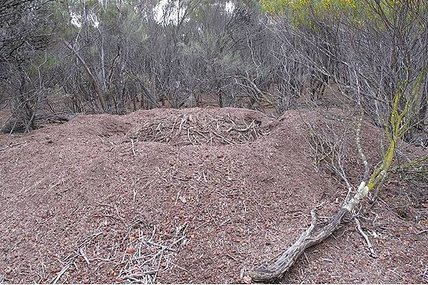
(146, 258)
(196, 130)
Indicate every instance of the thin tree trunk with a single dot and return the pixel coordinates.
(424, 105)
(94, 81)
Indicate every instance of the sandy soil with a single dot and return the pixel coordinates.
(195, 196)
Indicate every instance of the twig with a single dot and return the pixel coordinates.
(369, 244)
(422, 232)
(133, 147)
(63, 270)
(199, 131)
(159, 265)
(150, 257)
(184, 119)
(139, 275)
(425, 273)
(83, 254)
(3, 279)
(2, 149)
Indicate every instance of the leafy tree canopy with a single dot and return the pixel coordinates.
(378, 12)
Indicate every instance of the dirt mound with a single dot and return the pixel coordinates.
(195, 195)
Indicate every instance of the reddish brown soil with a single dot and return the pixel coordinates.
(80, 200)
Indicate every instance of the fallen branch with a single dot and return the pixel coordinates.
(312, 236)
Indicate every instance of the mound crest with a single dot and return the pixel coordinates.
(195, 129)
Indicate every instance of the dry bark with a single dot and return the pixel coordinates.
(312, 236)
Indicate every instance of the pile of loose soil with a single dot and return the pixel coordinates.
(197, 195)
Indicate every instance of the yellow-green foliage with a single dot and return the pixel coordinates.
(302, 12)
(308, 6)
(399, 124)
(323, 6)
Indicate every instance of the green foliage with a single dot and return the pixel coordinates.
(306, 7)
(378, 13)
(399, 124)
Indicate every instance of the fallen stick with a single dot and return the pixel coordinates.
(366, 237)
(63, 270)
(312, 236)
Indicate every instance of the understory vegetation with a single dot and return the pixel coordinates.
(60, 58)
(110, 56)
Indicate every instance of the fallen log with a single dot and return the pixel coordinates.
(313, 235)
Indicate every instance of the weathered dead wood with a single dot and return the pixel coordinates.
(315, 234)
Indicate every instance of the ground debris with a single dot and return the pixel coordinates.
(198, 129)
(80, 201)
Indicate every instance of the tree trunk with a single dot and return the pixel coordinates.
(94, 81)
(424, 105)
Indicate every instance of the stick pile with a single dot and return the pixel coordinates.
(146, 257)
(196, 130)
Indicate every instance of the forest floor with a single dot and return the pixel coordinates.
(197, 196)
